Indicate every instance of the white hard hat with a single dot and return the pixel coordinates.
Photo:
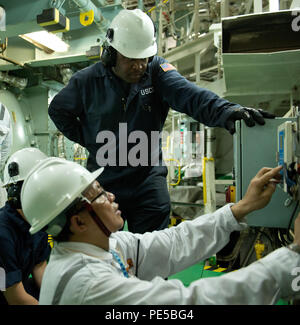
(133, 34)
(20, 163)
(51, 187)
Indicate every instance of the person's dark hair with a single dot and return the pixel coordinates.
(65, 233)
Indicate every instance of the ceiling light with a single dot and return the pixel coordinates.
(48, 42)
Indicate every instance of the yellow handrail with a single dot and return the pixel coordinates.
(179, 170)
(165, 1)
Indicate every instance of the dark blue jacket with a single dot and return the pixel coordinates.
(19, 250)
(94, 100)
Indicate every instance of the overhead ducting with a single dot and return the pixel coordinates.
(86, 6)
(20, 83)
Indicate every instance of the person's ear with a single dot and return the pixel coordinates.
(77, 224)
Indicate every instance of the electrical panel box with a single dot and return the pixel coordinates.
(255, 148)
(287, 143)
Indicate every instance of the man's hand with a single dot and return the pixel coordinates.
(249, 115)
(259, 192)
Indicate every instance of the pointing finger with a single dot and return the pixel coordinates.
(271, 174)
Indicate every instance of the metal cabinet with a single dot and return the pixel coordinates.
(255, 148)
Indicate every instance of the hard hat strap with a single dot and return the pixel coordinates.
(97, 220)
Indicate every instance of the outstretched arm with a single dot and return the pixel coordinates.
(192, 241)
(200, 103)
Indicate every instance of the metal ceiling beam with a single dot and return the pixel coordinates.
(77, 57)
(190, 48)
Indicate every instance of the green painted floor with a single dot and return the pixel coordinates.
(193, 273)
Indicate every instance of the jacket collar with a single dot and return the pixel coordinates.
(101, 71)
(88, 249)
(17, 219)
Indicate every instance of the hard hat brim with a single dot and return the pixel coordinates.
(35, 228)
(132, 54)
(97, 172)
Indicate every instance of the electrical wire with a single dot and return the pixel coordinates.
(281, 238)
(275, 237)
(137, 258)
(290, 222)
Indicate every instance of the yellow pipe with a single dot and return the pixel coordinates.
(165, 1)
(167, 144)
(179, 169)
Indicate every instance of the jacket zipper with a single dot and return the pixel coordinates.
(124, 104)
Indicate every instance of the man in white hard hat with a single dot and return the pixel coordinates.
(21, 253)
(94, 263)
(105, 106)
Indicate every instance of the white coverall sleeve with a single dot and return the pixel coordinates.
(169, 251)
(261, 283)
